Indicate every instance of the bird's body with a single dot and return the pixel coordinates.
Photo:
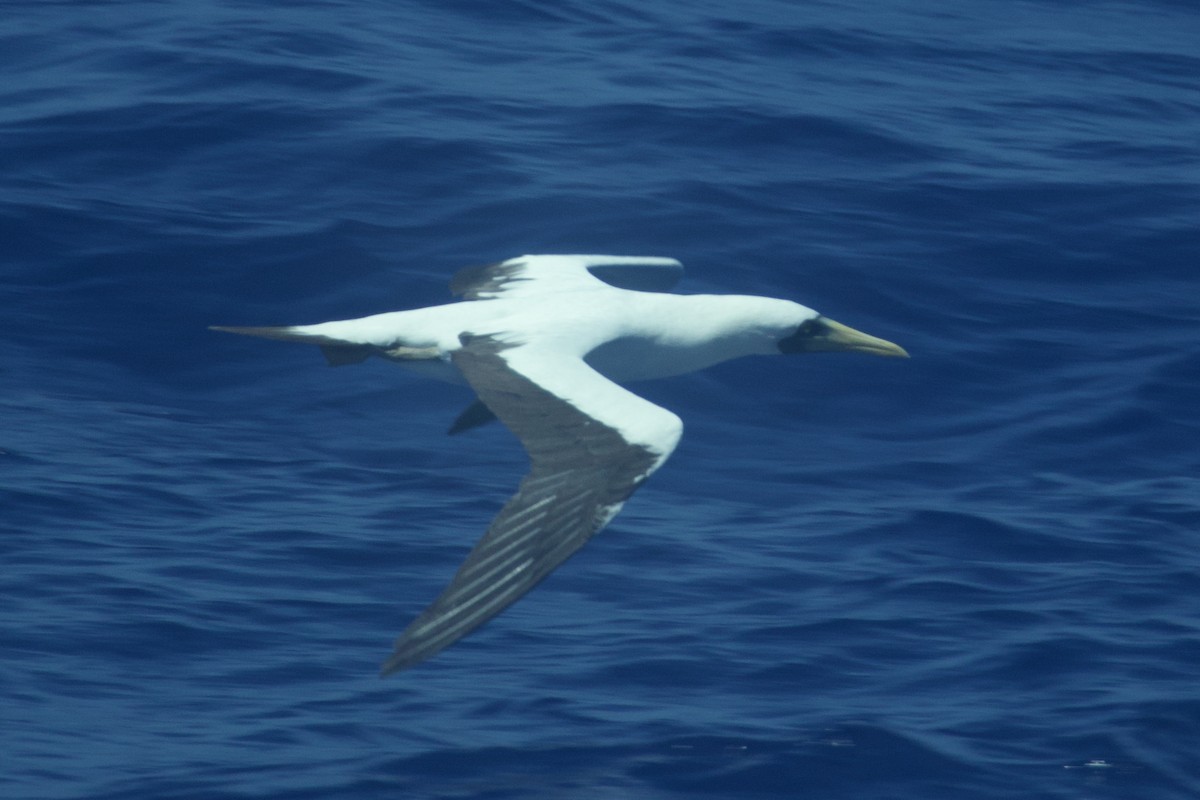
(625, 335)
(546, 341)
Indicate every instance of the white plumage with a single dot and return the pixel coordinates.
(545, 342)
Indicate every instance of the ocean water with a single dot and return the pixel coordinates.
(974, 574)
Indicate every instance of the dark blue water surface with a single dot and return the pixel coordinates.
(975, 574)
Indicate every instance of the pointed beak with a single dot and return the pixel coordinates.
(835, 336)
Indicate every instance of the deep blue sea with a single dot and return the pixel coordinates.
(972, 575)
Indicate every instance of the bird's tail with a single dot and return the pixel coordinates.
(337, 352)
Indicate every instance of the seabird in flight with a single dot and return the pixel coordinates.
(546, 342)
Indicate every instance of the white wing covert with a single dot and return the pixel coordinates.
(544, 274)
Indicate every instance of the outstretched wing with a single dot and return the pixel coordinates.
(591, 444)
(530, 275)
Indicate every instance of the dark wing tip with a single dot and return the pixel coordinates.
(472, 282)
(472, 416)
(400, 661)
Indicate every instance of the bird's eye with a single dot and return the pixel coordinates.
(808, 328)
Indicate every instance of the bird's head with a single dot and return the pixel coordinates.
(820, 334)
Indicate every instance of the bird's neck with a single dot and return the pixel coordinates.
(676, 334)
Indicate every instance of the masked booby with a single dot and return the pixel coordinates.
(545, 341)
